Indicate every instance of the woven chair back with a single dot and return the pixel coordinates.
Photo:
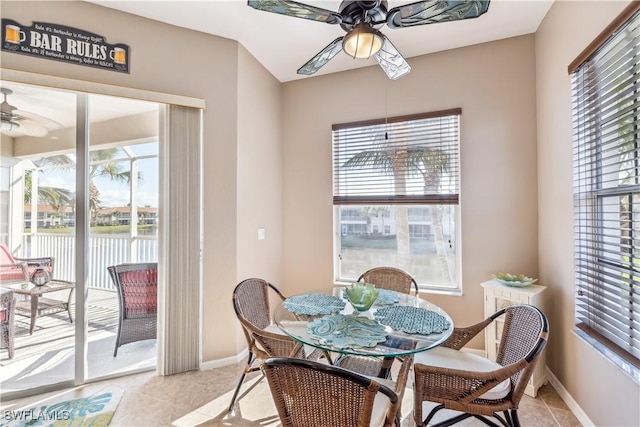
(521, 338)
(251, 302)
(390, 278)
(137, 286)
(311, 394)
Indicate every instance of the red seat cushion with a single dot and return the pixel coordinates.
(140, 291)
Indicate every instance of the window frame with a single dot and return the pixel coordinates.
(597, 147)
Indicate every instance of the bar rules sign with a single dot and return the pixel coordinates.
(62, 43)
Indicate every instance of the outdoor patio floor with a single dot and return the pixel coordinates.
(47, 356)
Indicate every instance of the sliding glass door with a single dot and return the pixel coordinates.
(123, 228)
(81, 188)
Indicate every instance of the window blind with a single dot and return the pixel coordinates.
(402, 160)
(606, 156)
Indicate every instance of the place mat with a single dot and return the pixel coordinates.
(387, 297)
(314, 304)
(347, 331)
(412, 320)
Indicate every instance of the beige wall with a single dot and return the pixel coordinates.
(494, 84)
(174, 60)
(259, 171)
(6, 147)
(589, 377)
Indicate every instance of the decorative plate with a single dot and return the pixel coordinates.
(314, 304)
(347, 331)
(514, 280)
(412, 320)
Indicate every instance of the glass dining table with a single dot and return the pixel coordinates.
(396, 325)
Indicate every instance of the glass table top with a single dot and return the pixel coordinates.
(397, 324)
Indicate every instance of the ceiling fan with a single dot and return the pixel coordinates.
(362, 21)
(16, 122)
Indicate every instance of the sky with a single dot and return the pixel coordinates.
(115, 194)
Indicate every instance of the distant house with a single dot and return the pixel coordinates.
(49, 217)
(122, 215)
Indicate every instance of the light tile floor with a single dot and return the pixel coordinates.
(200, 398)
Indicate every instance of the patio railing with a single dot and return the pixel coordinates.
(105, 250)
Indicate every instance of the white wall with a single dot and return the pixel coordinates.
(607, 396)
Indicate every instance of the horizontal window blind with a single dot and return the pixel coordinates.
(606, 153)
(411, 160)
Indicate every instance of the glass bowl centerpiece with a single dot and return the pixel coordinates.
(361, 295)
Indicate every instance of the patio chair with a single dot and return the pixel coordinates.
(137, 286)
(264, 339)
(7, 320)
(312, 394)
(476, 386)
(15, 269)
(390, 278)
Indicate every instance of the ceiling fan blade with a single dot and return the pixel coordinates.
(322, 57)
(433, 11)
(45, 122)
(31, 128)
(298, 10)
(393, 64)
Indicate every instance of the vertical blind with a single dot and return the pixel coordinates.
(180, 295)
(606, 156)
(409, 159)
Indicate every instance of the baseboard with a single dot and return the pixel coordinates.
(219, 363)
(572, 404)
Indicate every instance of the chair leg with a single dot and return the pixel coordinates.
(431, 414)
(507, 418)
(11, 347)
(244, 374)
(514, 417)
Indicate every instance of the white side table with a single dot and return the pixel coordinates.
(498, 296)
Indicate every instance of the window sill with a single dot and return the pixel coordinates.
(448, 292)
(623, 365)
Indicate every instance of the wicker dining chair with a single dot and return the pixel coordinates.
(264, 339)
(478, 387)
(390, 278)
(7, 320)
(137, 286)
(312, 394)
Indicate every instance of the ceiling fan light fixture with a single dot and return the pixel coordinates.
(8, 126)
(362, 42)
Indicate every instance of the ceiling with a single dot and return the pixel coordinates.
(283, 44)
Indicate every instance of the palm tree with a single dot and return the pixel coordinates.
(102, 163)
(402, 161)
(390, 160)
(53, 196)
(432, 164)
